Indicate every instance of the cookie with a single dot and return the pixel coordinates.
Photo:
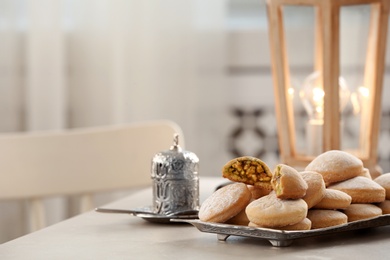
(259, 191)
(248, 170)
(288, 183)
(362, 211)
(334, 199)
(376, 171)
(270, 211)
(384, 181)
(322, 218)
(336, 166)
(305, 224)
(366, 173)
(316, 188)
(239, 219)
(385, 206)
(361, 189)
(225, 203)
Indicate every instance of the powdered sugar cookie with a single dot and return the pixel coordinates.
(384, 181)
(239, 219)
(334, 199)
(225, 203)
(336, 166)
(366, 173)
(362, 211)
(385, 206)
(316, 188)
(288, 183)
(269, 211)
(305, 224)
(322, 218)
(259, 191)
(361, 189)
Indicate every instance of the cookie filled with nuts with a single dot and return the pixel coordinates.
(248, 170)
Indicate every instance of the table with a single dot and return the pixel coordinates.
(120, 236)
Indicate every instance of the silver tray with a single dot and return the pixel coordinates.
(281, 238)
(147, 214)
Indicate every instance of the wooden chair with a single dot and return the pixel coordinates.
(79, 162)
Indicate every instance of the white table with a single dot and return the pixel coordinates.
(120, 236)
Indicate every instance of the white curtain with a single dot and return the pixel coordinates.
(69, 63)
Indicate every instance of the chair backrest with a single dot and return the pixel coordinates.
(81, 161)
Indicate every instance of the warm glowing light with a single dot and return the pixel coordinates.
(364, 91)
(318, 95)
(319, 109)
(291, 91)
(312, 96)
(359, 98)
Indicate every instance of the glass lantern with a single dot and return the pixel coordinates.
(325, 94)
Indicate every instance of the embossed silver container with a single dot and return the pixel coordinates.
(175, 180)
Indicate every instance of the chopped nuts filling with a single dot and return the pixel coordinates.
(248, 171)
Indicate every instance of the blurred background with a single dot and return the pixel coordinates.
(203, 64)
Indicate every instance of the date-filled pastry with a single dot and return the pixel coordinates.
(248, 170)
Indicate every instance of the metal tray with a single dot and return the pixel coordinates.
(281, 238)
(147, 214)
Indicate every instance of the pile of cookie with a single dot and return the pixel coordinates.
(334, 189)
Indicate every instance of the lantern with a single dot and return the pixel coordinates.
(324, 92)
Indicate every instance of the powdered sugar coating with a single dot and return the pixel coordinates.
(359, 182)
(305, 224)
(335, 166)
(362, 211)
(361, 189)
(334, 199)
(269, 211)
(288, 183)
(225, 203)
(316, 188)
(322, 218)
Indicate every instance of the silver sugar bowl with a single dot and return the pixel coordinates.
(175, 180)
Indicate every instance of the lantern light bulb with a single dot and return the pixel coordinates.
(291, 91)
(359, 98)
(364, 91)
(312, 95)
